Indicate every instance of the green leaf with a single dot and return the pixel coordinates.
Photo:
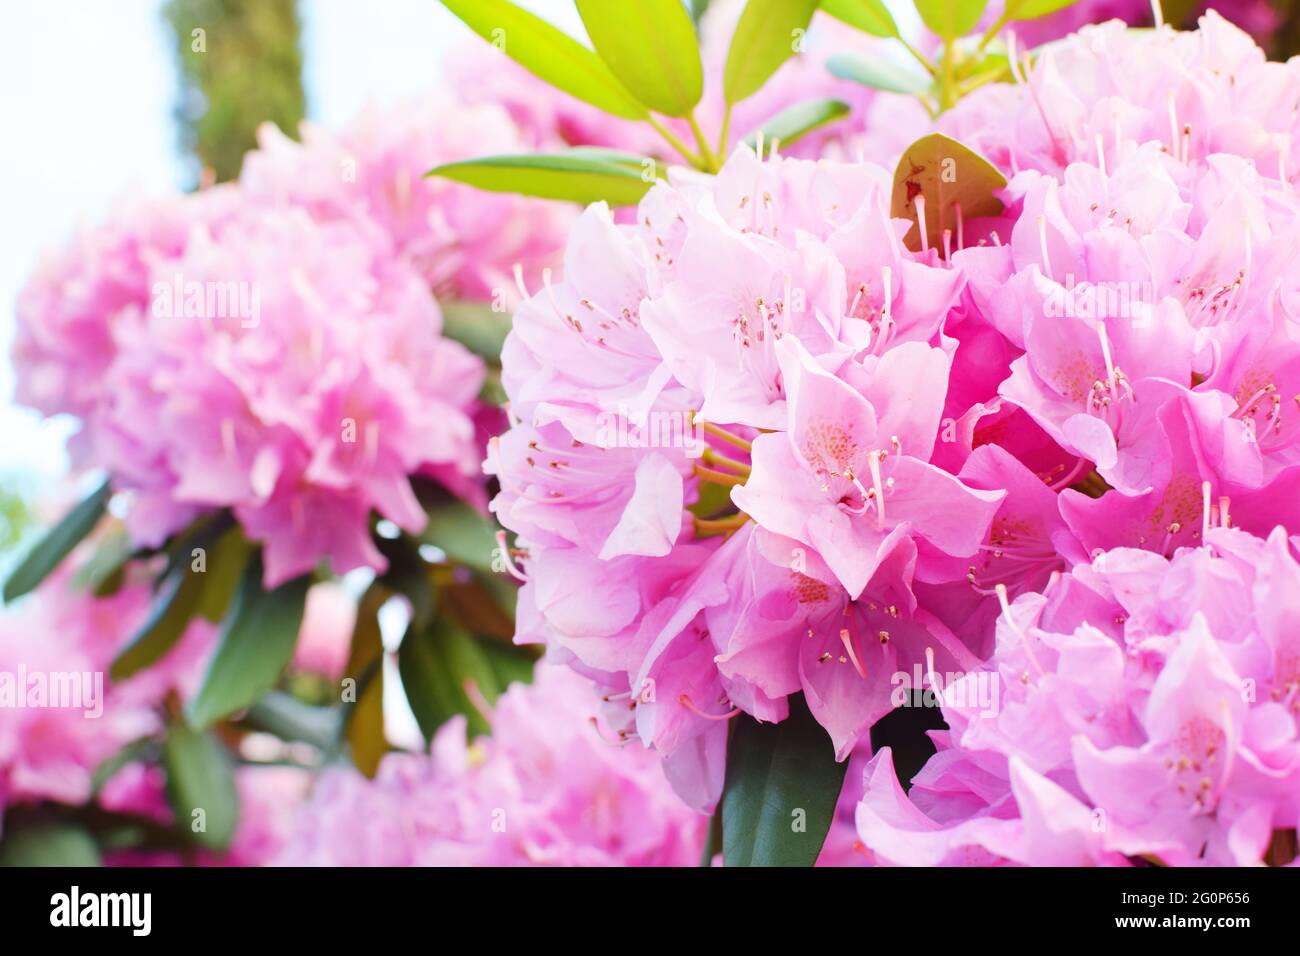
(365, 719)
(463, 534)
(1031, 9)
(172, 611)
(576, 177)
(795, 122)
(200, 777)
(58, 542)
(948, 175)
(766, 36)
(879, 73)
(650, 46)
(510, 664)
(547, 53)
(434, 663)
(621, 157)
(289, 718)
(870, 16)
(477, 326)
(103, 573)
(142, 749)
(50, 844)
(951, 18)
(255, 645)
(225, 564)
(780, 793)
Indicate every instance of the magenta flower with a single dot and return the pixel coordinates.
(543, 790)
(766, 334)
(464, 242)
(1144, 707)
(62, 715)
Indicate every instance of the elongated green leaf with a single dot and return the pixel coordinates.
(225, 563)
(510, 664)
(947, 175)
(547, 53)
(951, 18)
(870, 16)
(578, 178)
(49, 844)
(780, 792)
(767, 34)
(365, 718)
(200, 778)
(255, 645)
(878, 73)
(103, 573)
(434, 663)
(477, 326)
(172, 611)
(289, 718)
(141, 749)
(463, 534)
(795, 122)
(619, 157)
(1031, 9)
(58, 542)
(650, 46)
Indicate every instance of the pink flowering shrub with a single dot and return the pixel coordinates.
(463, 242)
(303, 409)
(1147, 711)
(61, 715)
(877, 448)
(1258, 17)
(753, 301)
(545, 789)
(273, 347)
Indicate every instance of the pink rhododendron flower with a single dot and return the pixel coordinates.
(543, 789)
(1258, 17)
(1144, 707)
(67, 311)
(61, 715)
(464, 242)
(774, 319)
(286, 368)
(1193, 93)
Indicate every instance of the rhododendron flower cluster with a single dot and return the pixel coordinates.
(1148, 713)
(301, 415)
(273, 347)
(63, 716)
(543, 790)
(776, 312)
(1258, 17)
(465, 243)
(878, 447)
